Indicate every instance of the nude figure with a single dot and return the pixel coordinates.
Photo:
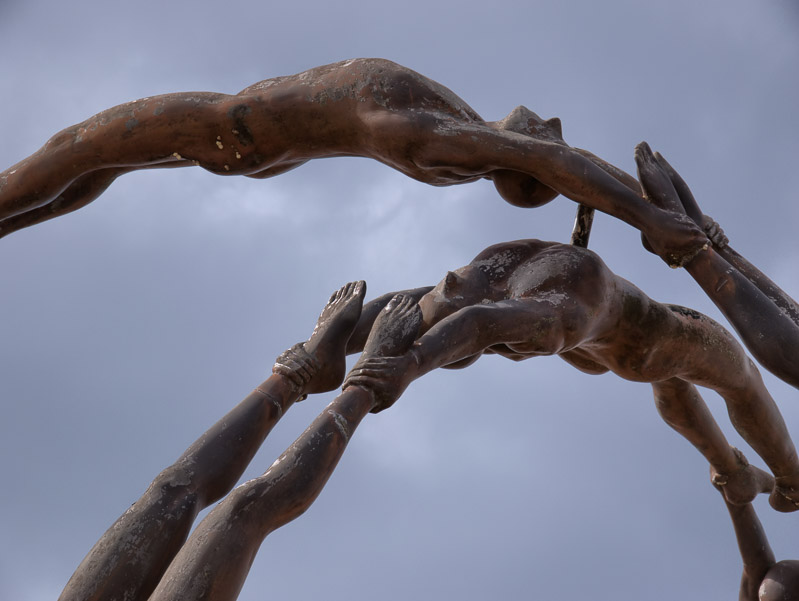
(145, 554)
(765, 316)
(528, 298)
(364, 107)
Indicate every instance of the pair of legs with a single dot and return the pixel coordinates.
(145, 554)
(765, 317)
(366, 107)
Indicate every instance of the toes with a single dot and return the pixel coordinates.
(360, 287)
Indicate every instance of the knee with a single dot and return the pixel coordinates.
(245, 511)
(174, 489)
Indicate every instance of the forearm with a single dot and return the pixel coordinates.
(767, 332)
(462, 335)
(584, 178)
(771, 290)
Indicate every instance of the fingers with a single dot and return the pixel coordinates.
(296, 364)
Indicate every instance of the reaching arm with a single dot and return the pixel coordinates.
(464, 334)
(370, 312)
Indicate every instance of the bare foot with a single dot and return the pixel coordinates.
(743, 485)
(655, 181)
(392, 335)
(687, 199)
(660, 191)
(785, 496)
(328, 342)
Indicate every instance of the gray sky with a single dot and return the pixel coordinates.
(133, 324)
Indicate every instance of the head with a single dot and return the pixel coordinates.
(460, 288)
(524, 121)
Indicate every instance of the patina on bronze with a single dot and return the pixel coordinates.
(365, 107)
(517, 299)
(145, 554)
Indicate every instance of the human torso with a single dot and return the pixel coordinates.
(625, 329)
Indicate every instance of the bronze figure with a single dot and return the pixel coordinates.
(365, 107)
(527, 298)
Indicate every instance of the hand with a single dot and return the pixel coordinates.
(676, 239)
(298, 366)
(714, 232)
(386, 377)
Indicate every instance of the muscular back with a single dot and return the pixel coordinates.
(601, 321)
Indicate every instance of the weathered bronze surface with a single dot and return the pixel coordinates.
(765, 316)
(365, 107)
(517, 299)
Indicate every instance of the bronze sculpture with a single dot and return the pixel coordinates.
(365, 107)
(423, 130)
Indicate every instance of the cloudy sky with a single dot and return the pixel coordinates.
(131, 325)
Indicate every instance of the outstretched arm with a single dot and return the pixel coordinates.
(463, 335)
(765, 317)
(370, 312)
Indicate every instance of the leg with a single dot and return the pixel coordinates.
(78, 194)
(145, 132)
(214, 563)
(766, 318)
(682, 408)
(129, 559)
(723, 366)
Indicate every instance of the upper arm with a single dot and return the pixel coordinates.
(473, 329)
